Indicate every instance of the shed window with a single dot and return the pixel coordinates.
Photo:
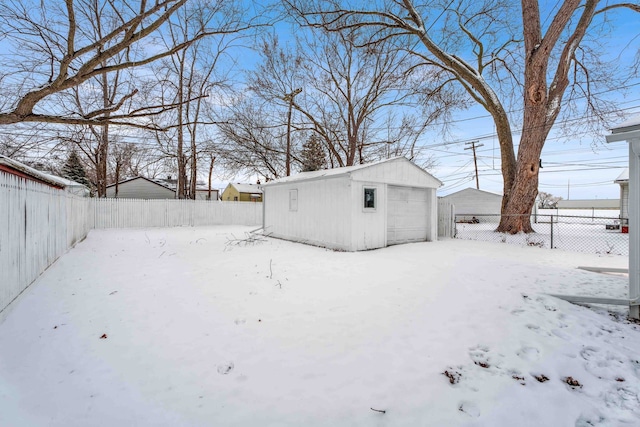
(369, 198)
(293, 200)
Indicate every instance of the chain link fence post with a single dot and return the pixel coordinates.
(551, 231)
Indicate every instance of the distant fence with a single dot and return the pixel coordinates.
(133, 213)
(446, 218)
(589, 234)
(39, 223)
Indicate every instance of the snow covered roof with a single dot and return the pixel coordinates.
(146, 179)
(628, 125)
(625, 131)
(624, 176)
(247, 188)
(473, 190)
(326, 173)
(31, 172)
(65, 181)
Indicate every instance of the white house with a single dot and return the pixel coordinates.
(354, 208)
(630, 131)
(140, 188)
(470, 203)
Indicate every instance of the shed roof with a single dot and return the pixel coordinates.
(146, 179)
(632, 124)
(624, 176)
(346, 170)
(473, 190)
(31, 172)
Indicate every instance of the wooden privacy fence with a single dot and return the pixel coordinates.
(39, 223)
(134, 213)
(446, 218)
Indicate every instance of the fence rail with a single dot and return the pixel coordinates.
(587, 234)
(39, 223)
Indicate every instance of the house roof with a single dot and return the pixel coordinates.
(624, 176)
(22, 169)
(65, 181)
(473, 190)
(247, 188)
(628, 125)
(346, 170)
(146, 179)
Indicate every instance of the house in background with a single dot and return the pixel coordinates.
(623, 181)
(242, 193)
(589, 204)
(354, 208)
(202, 193)
(140, 188)
(471, 203)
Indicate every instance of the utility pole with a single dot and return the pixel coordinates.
(474, 145)
(289, 98)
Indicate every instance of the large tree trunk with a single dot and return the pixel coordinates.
(541, 104)
(101, 164)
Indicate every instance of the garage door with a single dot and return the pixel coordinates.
(407, 210)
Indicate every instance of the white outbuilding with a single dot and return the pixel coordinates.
(472, 203)
(354, 208)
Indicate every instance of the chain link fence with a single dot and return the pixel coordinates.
(587, 234)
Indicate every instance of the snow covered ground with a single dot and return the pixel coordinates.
(177, 327)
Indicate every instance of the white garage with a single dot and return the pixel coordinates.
(471, 203)
(354, 208)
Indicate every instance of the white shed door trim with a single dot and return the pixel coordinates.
(407, 214)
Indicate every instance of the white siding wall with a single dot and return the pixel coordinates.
(471, 202)
(399, 172)
(432, 232)
(140, 188)
(624, 200)
(323, 216)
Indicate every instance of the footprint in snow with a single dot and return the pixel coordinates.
(589, 421)
(530, 354)
(469, 408)
(480, 356)
(623, 398)
(588, 353)
(225, 368)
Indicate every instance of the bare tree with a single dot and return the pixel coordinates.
(484, 48)
(253, 138)
(189, 77)
(547, 200)
(52, 54)
(346, 90)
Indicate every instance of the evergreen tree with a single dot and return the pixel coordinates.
(74, 170)
(313, 157)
